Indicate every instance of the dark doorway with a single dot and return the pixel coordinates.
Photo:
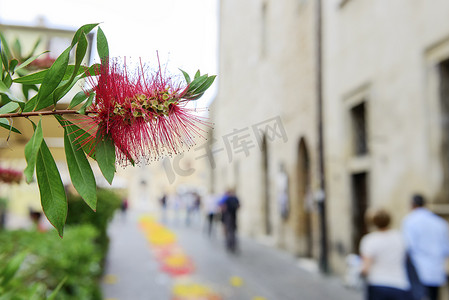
(266, 187)
(443, 68)
(359, 182)
(304, 223)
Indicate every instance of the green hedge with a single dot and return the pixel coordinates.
(34, 264)
(108, 202)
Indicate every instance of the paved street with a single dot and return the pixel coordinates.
(150, 260)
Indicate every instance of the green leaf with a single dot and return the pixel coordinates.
(64, 88)
(193, 97)
(12, 65)
(8, 80)
(83, 178)
(197, 74)
(86, 105)
(7, 92)
(52, 79)
(91, 71)
(197, 82)
(29, 60)
(26, 88)
(36, 44)
(17, 48)
(9, 107)
(77, 99)
(38, 77)
(5, 124)
(81, 49)
(31, 150)
(83, 29)
(33, 78)
(12, 267)
(30, 104)
(105, 154)
(53, 197)
(5, 53)
(82, 138)
(102, 45)
(186, 76)
(205, 85)
(58, 288)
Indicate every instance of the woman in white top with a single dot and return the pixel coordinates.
(383, 260)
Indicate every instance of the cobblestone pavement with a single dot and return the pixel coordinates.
(169, 261)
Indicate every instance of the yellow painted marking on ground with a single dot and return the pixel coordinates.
(110, 279)
(259, 298)
(157, 234)
(176, 260)
(186, 290)
(236, 281)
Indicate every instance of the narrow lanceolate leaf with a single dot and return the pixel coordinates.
(9, 107)
(77, 99)
(83, 29)
(31, 150)
(38, 77)
(81, 50)
(30, 104)
(36, 44)
(34, 78)
(102, 45)
(197, 82)
(7, 92)
(83, 139)
(83, 178)
(29, 60)
(5, 53)
(12, 65)
(205, 85)
(86, 105)
(53, 197)
(26, 88)
(186, 76)
(58, 288)
(105, 154)
(197, 74)
(5, 124)
(52, 79)
(17, 48)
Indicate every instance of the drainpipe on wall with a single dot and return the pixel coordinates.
(321, 199)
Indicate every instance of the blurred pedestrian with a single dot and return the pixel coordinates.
(124, 208)
(427, 238)
(229, 206)
(163, 205)
(124, 205)
(211, 211)
(383, 255)
(196, 207)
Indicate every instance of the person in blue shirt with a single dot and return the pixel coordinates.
(230, 204)
(427, 240)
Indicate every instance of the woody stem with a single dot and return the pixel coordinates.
(40, 113)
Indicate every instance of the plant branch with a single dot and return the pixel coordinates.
(41, 113)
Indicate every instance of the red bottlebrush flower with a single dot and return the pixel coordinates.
(143, 112)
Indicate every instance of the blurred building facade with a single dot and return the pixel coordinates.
(265, 135)
(384, 70)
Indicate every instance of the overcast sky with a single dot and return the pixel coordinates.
(184, 32)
